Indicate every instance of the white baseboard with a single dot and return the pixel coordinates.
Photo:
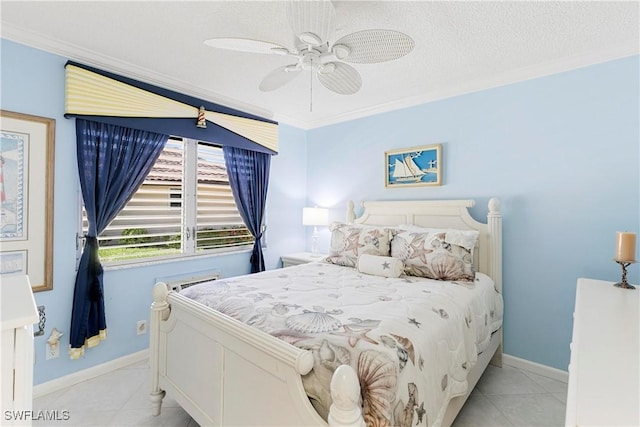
(536, 368)
(86, 374)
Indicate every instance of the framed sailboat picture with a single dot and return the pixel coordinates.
(414, 166)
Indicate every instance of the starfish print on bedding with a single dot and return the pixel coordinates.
(354, 336)
(417, 249)
(413, 321)
(386, 265)
(351, 242)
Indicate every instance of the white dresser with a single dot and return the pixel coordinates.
(604, 372)
(19, 313)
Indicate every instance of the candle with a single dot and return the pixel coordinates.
(625, 246)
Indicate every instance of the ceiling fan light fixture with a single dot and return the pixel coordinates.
(310, 39)
(341, 51)
(327, 68)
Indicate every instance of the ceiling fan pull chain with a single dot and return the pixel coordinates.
(311, 91)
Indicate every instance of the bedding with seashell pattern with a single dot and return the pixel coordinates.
(410, 339)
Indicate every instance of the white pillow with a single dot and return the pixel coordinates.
(377, 265)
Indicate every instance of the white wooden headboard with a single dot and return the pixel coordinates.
(443, 214)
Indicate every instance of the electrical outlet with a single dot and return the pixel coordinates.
(141, 327)
(52, 351)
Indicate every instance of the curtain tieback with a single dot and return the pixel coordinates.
(95, 290)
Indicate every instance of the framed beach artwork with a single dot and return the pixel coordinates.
(26, 197)
(413, 166)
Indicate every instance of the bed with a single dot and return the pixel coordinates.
(223, 371)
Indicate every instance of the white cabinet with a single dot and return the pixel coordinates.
(301, 258)
(604, 372)
(18, 315)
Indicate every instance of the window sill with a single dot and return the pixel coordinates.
(170, 259)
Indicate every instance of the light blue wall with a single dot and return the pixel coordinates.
(33, 83)
(560, 152)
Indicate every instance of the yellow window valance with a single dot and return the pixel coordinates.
(92, 94)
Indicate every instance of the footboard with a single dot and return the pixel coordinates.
(223, 372)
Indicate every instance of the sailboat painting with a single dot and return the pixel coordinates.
(414, 166)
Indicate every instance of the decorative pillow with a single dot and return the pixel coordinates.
(349, 241)
(465, 238)
(376, 265)
(436, 254)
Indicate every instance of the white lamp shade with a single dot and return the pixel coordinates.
(315, 216)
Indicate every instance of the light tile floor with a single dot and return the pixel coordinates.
(503, 397)
(509, 396)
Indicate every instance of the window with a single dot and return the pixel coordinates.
(185, 206)
(175, 197)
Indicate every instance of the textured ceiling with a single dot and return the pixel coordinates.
(459, 47)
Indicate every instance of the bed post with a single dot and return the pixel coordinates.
(345, 393)
(494, 222)
(159, 312)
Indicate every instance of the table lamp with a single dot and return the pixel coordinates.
(315, 217)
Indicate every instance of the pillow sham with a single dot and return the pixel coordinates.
(436, 254)
(465, 238)
(349, 241)
(377, 265)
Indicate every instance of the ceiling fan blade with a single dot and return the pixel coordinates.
(340, 78)
(245, 45)
(311, 18)
(279, 77)
(372, 46)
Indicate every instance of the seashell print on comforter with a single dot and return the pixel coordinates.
(411, 340)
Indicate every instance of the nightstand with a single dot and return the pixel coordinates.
(300, 258)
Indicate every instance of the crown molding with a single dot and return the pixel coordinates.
(612, 53)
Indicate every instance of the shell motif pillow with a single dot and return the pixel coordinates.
(350, 241)
(437, 254)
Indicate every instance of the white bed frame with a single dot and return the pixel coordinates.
(223, 372)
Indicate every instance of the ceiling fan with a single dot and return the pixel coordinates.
(313, 23)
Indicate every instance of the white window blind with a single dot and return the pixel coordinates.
(184, 206)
